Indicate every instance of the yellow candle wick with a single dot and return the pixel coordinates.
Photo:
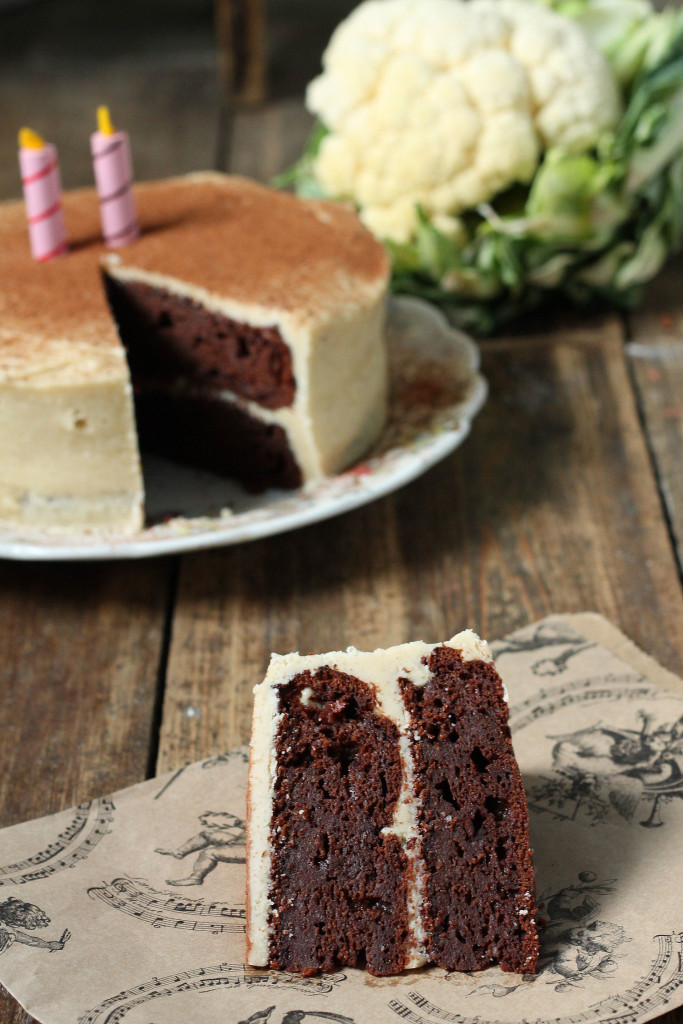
(104, 124)
(28, 139)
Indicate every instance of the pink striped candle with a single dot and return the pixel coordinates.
(42, 195)
(114, 180)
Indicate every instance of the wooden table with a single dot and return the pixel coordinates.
(567, 496)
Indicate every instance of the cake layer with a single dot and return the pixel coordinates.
(221, 436)
(69, 456)
(220, 236)
(472, 818)
(339, 888)
(337, 366)
(230, 238)
(168, 338)
(337, 360)
(446, 834)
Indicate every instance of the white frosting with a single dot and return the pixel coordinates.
(382, 669)
(404, 825)
(262, 774)
(70, 458)
(390, 662)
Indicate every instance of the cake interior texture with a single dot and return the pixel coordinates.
(183, 357)
(170, 338)
(205, 431)
(388, 823)
(339, 887)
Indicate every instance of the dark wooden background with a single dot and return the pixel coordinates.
(568, 496)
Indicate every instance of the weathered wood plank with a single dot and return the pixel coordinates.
(78, 674)
(655, 351)
(242, 49)
(80, 648)
(264, 142)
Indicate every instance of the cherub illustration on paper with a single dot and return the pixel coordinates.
(602, 771)
(216, 842)
(16, 914)
(546, 636)
(575, 944)
(587, 952)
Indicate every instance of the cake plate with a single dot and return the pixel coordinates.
(436, 390)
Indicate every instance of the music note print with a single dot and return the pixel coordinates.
(87, 826)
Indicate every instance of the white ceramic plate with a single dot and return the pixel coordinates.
(436, 390)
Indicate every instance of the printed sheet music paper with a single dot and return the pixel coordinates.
(130, 909)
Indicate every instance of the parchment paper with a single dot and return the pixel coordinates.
(131, 907)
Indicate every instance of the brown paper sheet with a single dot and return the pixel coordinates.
(130, 908)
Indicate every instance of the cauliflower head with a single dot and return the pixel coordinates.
(442, 104)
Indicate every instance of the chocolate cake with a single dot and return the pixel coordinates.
(387, 824)
(247, 325)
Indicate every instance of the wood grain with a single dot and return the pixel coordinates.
(655, 352)
(80, 647)
(242, 49)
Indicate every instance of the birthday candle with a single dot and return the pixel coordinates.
(42, 196)
(114, 179)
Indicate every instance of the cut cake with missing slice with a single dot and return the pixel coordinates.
(250, 343)
(387, 823)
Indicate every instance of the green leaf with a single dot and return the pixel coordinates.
(300, 175)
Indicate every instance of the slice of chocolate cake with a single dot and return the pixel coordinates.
(387, 823)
